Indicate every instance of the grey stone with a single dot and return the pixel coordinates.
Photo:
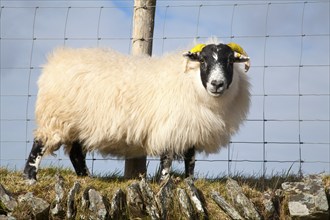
(243, 205)
(149, 199)
(85, 198)
(298, 209)
(84, 205)
(278, 193)
(307, 199)
(7, 200)
(39, 207)
(226, 207)
(118, 205)
(135, 202)
(56, 209)
(164, 197)
(4, 217)
(98, 205)
(59, 191)
(195, 198)
(185, 204)
(71, 206)
(269, 208)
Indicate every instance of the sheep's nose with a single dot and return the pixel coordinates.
(217, 83)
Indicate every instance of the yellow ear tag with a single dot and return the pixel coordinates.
(198, 48)
(237, 48)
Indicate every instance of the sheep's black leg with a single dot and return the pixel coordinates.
(78, 159)
(165, 165)
(189, 162)
(33, 161)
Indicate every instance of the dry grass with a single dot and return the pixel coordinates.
(252, 186)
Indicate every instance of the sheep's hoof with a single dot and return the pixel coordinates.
(30, 181)
(30, 173)
(30, 177)
(190, 178)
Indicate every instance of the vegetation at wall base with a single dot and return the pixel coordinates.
(107, 184)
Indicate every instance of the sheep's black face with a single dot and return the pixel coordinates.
(216, 67)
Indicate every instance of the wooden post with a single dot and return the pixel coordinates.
(143, 29)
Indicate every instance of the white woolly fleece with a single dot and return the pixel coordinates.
(129, 106)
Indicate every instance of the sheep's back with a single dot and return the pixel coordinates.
(101, 97)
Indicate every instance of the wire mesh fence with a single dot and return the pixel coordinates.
(288, 41)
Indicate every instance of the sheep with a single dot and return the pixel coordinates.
(94, 99)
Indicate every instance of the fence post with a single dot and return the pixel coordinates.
(142, 34)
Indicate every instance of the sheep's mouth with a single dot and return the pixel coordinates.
(216, 93)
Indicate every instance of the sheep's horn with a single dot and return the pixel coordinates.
(198, 48)
(240, 52)
(237, 48)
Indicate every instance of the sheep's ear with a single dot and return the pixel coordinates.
(191, 56)
(239, 52)
(240, 58)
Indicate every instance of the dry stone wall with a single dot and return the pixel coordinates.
(305, 200)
